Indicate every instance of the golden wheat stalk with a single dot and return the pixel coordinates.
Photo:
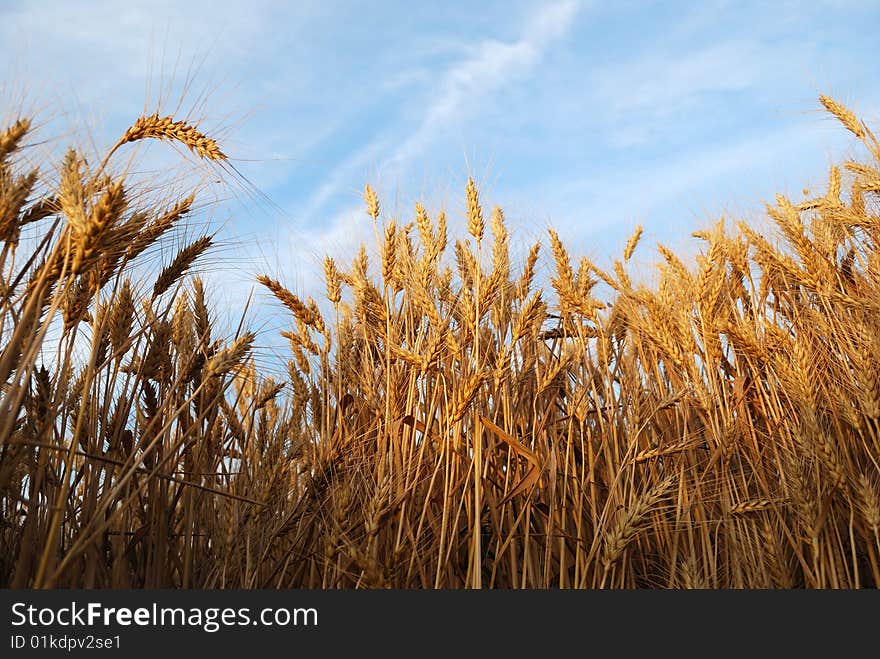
(12, 136)
(296, 306)
(166, 128)
(844, 115)
(181, 263)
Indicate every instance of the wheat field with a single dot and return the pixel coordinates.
(448, 418)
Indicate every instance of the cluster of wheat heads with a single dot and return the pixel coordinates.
(447, 422)
(126, 458)
(718, 429)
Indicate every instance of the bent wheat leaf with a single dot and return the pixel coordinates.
(528, 481)
(510, 441)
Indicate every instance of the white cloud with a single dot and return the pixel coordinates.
(662, 83)
(456, 93)
(493, 65)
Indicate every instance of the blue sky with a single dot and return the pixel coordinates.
(589, 117)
